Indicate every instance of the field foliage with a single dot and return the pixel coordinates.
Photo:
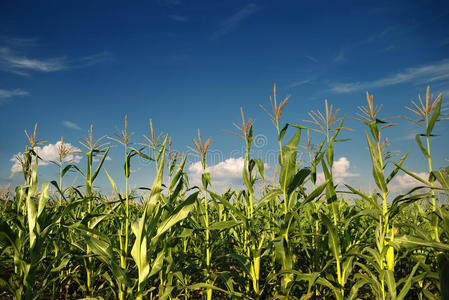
(299, 238)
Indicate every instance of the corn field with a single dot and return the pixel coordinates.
(294, 236)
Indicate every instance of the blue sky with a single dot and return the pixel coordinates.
(193, 64)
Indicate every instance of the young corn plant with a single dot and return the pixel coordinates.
(25, 236)
(93, 149)
(201, 150)
(383, 258)
(330, 126)
(157, 219)
(123, 137)
(428, 115)
(253, 245)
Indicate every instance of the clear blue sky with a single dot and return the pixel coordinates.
(193, 64)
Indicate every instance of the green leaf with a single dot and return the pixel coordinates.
(443, 178)
(334, 240)
(270, 195)
(331, 194)
(378, 171)
(412, 174)
(443, 264)
(408, 283)
(282, 132)
(224, 225)
(391, 283)
(205, 179)
(316, 193)
(287, 160)
(114, 187)
(434, 118)
(202, 285)
(421, 147)
(43, 198)
(66, 169)
(103, 158)
(157, 263)
(395, 170)
(157, 184)
(413, 242)
(179, 214)
(178, 173)
(260, 167)
(298, 179)
(228, 205)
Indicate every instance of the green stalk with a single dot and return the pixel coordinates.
(89, 210)
(206, 221)
(124, 244)
(432, 192)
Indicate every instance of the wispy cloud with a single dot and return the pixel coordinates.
(389, 48)
(14, 58)
(178, 18)
(169, 3)
(71, 125)
(299, 83)
(311, 58)
(231, 23)
(90, 60)
(14, 63)
(427, 73)
(340, 56)
(12, 93)
(5, 95)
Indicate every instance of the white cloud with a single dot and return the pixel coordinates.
(169, 3)
(311, 58)
(427, 73)
(405, 182)
(98, 158)
(47, 154)
(234, 21)
(13, 61)
(299, 83)
(223, 174)
(178, 18)
(71, 125)
(229, 169)
(340, 171)
(12, 93)
(340, 56)
(5, 95)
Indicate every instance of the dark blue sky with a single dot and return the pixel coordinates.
(193, 64)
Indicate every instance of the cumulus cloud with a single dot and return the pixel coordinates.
(223, 174)
(340, 171)
(405, 182)
(226, 170)
(48, 153)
